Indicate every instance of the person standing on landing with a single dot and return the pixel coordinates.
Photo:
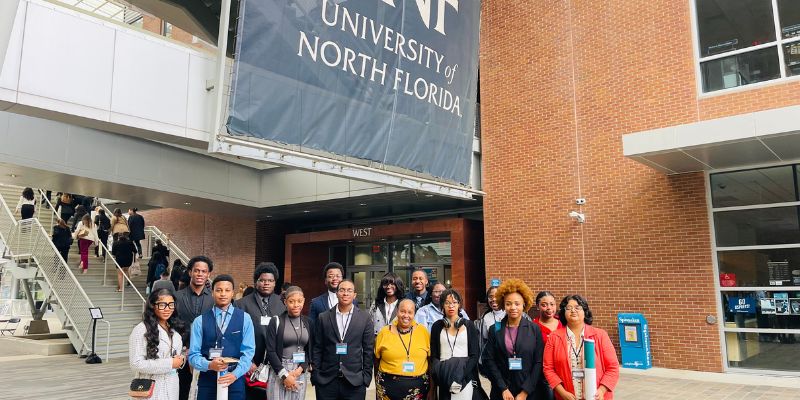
(342, 350)
(222, 332)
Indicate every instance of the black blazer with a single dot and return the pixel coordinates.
(319, 305)
(530, 347)
(274, 342)
(356, 365)
(473, 352)
(136, 226)
(251, 304)
(183, 305)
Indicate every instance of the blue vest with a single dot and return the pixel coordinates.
(231, 342)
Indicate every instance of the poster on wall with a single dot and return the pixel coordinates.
(795, 304)
(767, 306)
(779, 274)
(782, 304)
(391, 82)
(746, 305)
(727, 280)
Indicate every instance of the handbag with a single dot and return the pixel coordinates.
(141, 388)
(135, 269)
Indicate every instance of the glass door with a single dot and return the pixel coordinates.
(367, 280)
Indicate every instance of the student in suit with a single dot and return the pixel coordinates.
(191, 302)
(342, 349)
(513, 355)
(261, 306)
(333, 274)
(222, 332)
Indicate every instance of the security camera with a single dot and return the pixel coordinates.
(578, 216)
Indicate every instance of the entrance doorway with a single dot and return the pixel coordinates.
(367, 280)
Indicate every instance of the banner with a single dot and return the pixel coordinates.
(389, 81)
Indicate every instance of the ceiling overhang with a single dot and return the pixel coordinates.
(738, 141)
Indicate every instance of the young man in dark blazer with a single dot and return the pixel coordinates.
(261, 306)
(333, 274)
(191, 302)
(342, 350)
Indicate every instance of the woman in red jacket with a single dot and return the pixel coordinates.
(564, 358)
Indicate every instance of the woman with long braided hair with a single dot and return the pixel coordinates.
(155, 345)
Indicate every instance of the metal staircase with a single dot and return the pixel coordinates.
(69, 292)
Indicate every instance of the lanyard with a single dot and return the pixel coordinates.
(345, 325)
(221, 328)
(407, 348)
(455, 341)
(296, 334)
(577, 352)
(514, 340)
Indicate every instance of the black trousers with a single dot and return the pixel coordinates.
(340, 389)
(138, 244)
(103, 237)
(26, 211)
(184, 382)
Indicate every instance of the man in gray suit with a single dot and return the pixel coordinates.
(342, 349)
(190, 302)
(262, 305)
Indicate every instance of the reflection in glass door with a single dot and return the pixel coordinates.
(367, 281)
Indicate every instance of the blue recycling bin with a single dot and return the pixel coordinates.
(634, 339)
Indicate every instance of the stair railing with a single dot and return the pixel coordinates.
(27, 238)
(105, 264)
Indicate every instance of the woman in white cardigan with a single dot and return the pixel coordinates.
(155, 345)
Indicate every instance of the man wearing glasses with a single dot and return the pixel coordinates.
(333, 274)
(191, 302)
(432, 312)
(262, 305)
(342, 349)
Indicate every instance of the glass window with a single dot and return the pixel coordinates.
(765, 267)
(769, 351)
(763, 226)
(791, 55)
(731, 25)
(789, 13)
(371, 254)
(401, 254)
(755, 186)
(432, 252)
(741, 69)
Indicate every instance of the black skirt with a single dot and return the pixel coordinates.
(399, 387)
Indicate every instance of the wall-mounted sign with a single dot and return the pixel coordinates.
(727, 280)
(746, 305)
(362, 232)
(392, 82)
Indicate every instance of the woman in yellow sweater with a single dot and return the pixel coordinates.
(402, 349)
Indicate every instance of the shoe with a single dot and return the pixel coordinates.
(84, 271)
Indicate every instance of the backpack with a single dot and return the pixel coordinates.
(160, 268)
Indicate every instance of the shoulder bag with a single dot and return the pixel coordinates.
(141, 388)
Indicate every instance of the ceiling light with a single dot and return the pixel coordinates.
(429, 195)
(362, 204)
(12, 175)
(186, 203)
(268, 216)
(306, 211)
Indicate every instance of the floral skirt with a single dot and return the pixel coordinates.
(398, 387)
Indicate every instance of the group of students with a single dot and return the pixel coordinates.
(411, 343)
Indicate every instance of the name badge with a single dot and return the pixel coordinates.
(265, 320)
(578, 374)
(299, 357)
(214, 353)
(408, 366)
(341, 349)
(514, 364)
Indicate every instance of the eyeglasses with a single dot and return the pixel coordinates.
(571, 308)
(451, 304)
(385, 284)
(337, 276)
(263, 281)
(164, 306)
(348, 290)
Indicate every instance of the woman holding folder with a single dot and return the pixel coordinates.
(579, 360)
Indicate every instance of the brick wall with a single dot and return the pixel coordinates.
(561, 82)
(229, 241)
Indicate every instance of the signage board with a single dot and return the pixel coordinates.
(391, 82)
